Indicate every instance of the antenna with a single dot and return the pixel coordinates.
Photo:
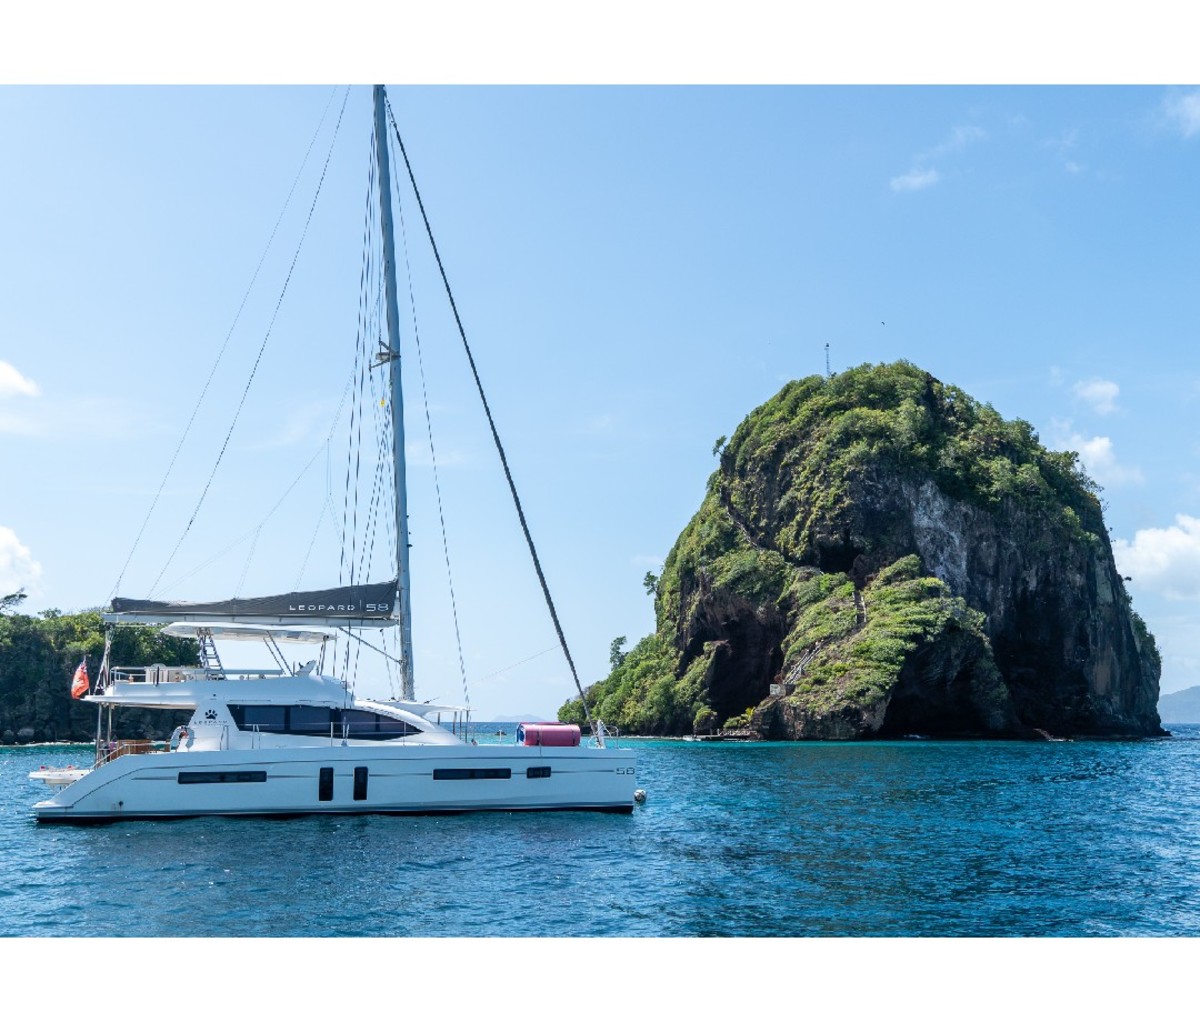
(828, 374)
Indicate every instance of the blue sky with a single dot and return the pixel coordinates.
(637, 267)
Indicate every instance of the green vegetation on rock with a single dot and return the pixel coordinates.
(888, 553)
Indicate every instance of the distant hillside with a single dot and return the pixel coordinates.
(1180, 707)
(38, 657)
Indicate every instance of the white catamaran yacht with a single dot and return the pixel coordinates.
(297, 740)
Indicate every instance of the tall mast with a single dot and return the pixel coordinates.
(393, 360)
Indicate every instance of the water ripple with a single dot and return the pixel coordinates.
(894, 839)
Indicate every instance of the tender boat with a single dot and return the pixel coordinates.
(286, 740)
(58, 778)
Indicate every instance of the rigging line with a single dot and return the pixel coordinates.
(395, 681)
(537, 564)
(263, 347)
(362, 358)
(328, 486)
(349, 529)
(308, 553)
(359, 638)
(249, 557)
(350, 495)
(225, 344)
(365, 556)
(246, 535)
(355, 378)
(379, 482)
(486, 677)
(437, 485)
(353, 457)
(381, 407)
(357, 658)
(379, 493)
(361, 361)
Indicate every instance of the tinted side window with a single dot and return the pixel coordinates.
(265, 718)
(221, 776)
(309, 720)
(359, 723)
(375, 726)
(320, 720)
(472, 774)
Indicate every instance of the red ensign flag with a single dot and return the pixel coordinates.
(80, 683)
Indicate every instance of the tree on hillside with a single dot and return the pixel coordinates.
(12, 600)
(615, 655)
(38, 656)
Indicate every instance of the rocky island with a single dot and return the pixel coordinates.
(880, 555)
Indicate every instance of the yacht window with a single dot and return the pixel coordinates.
(542, 771)
(472, 774)
(310, 720)
(375, 726)
(360, 784)
(357, 723)
(221, 776)
(325, 785)
(264, 718)
(391, 728)
(320, 720)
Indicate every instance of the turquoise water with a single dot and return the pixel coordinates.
(896, 839)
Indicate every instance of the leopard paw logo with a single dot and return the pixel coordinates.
(210, 715)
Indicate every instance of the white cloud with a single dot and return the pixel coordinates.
(1183, 112)
(598, 425)
(1064, 147)
(18, 569)
(1097, 455)
(1166, 561)
(961, 137)
(417, 454)
(70, 416)
(1065, 142)
(915, 180)
(13, 384)
(1100, 461)
(299, 425)
(651, 561)
(1100, 394)
(923, 175)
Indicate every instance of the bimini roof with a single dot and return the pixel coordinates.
(358, 606)
(224, 630)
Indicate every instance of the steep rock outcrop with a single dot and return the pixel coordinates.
(879, 554)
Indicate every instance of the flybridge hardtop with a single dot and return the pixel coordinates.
(372, 604)
(290, 739)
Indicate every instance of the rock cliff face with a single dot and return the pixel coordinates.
(879, 555)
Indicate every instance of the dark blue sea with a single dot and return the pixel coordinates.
(910, 838)
(907, 839)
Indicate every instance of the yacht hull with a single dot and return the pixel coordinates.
(403, 779)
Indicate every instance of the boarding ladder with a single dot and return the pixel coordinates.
(210, 659)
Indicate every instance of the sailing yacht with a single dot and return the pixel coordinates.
(285, 740)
